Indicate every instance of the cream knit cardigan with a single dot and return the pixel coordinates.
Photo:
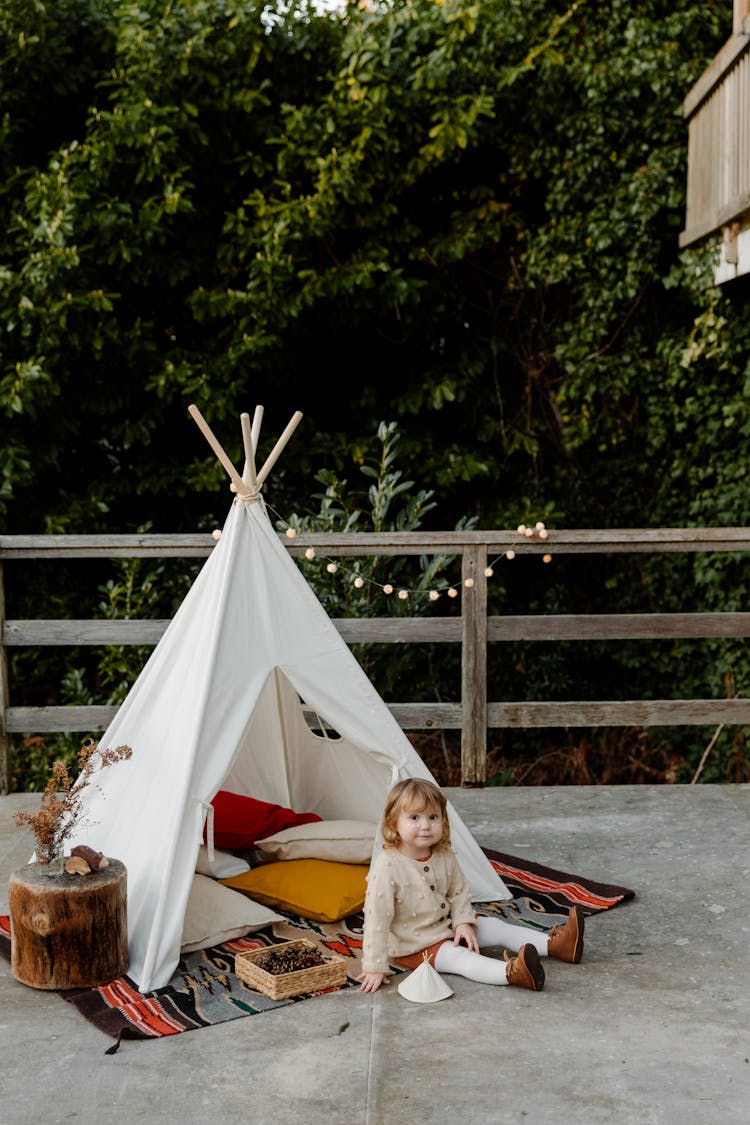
(411, 904)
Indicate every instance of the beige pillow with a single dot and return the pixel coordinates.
(216, 914)
(344, 841)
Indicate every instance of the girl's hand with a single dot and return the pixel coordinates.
(371, 982)
(467, 934)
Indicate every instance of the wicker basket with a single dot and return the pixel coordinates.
(279, 986)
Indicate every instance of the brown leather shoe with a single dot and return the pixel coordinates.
(566, 942)
(525, 969)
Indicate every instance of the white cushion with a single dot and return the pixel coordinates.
(224, 865)
(345, 841)
(216, 914)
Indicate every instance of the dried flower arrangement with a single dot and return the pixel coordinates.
(58, 816)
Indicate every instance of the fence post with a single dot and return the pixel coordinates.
(5, 738)
(474, 666)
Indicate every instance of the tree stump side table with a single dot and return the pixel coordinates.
(70, 931)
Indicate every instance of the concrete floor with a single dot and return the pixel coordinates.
(653, 1028)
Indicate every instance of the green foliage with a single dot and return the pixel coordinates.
(135, 594)
(389, 504)
(138, 590)
(356, 587)
(105, 240)
(466, 213)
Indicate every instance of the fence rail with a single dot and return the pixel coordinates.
(473, 630)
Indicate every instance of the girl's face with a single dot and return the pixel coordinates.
(419, 831)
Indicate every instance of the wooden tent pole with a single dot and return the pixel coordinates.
(213, 441)
(248, 473)
(275, 453)
(257, 423)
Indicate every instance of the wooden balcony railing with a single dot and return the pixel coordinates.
(718, 113)
(473, 629)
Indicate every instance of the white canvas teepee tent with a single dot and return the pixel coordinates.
(219, 705)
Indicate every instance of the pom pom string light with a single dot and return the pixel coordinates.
(434, 593)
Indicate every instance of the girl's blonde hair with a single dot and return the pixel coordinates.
(414, 794)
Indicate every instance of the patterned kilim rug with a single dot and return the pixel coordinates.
(204, 989)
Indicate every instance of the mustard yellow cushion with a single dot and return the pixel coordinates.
(313, 888)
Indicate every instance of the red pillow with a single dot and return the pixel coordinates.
(240, 821)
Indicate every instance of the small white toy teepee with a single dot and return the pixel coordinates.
(221, 704)
(425, 985)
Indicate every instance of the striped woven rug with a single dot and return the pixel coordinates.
(205, 991)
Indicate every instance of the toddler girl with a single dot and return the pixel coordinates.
(418, 904)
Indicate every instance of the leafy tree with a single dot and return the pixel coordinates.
(110, 241)
(464, 213)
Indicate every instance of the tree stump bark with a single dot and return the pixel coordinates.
(70, 931)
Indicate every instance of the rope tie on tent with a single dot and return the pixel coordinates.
(249, 498)
(206, 816)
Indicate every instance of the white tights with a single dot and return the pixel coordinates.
(463, 962)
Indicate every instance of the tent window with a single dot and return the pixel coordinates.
(319, 727)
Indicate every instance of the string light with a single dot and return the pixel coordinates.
(216, 534)
(539, 531)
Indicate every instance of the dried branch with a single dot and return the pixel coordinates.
(62, 798)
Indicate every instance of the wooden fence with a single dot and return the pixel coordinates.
(473, 630)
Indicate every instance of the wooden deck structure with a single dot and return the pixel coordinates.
(473, 629)
(717, 109)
